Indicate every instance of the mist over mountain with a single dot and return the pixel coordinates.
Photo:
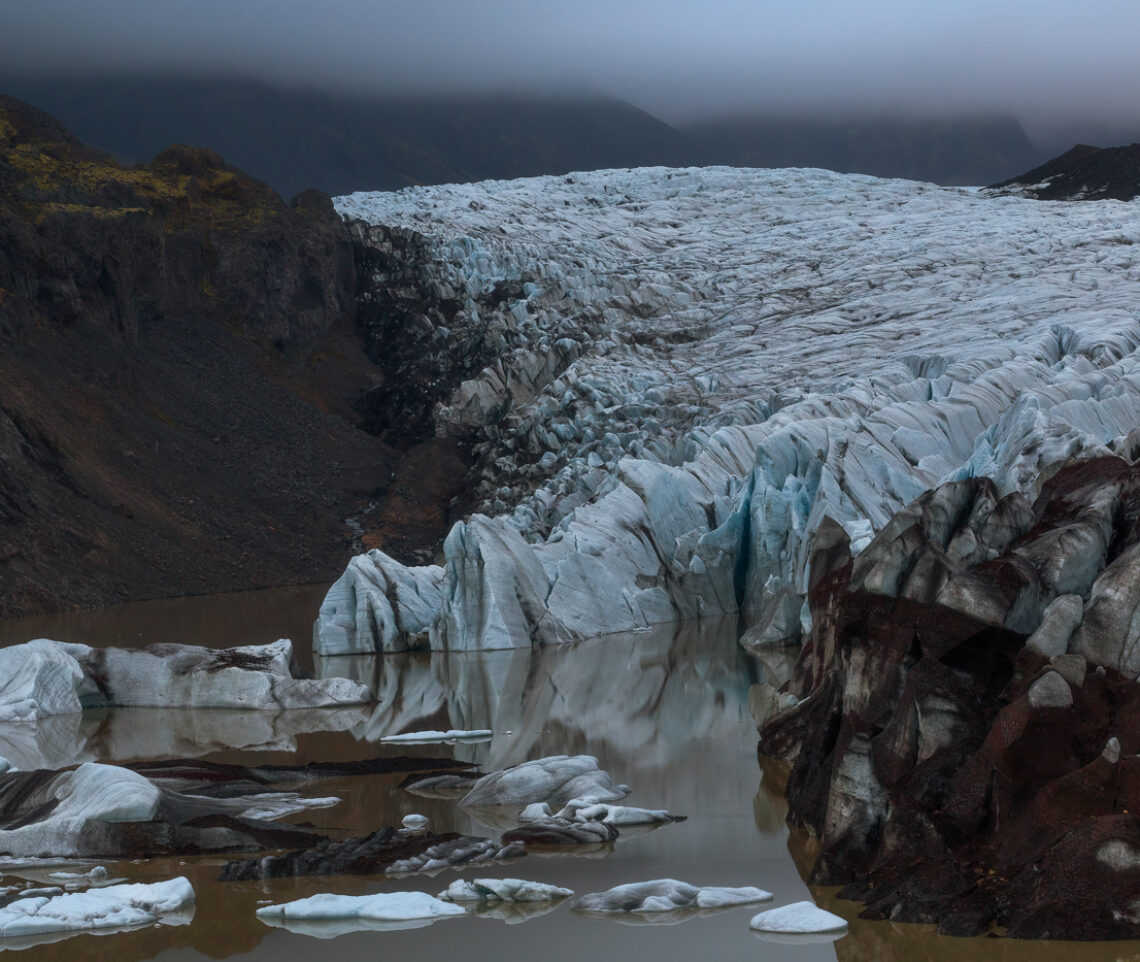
(340, 142)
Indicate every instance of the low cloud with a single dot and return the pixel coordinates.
(1049, 62)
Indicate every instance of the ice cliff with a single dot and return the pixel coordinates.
(688, 370)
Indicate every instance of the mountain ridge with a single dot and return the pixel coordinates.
(345, 142)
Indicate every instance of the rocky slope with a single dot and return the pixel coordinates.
(962, 719)
(177, 366)
(686, 371)
(1082, 173)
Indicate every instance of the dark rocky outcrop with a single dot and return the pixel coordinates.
(1082, 173)
(963, 724)
(178, 364)
(387, 850)
(409, 326)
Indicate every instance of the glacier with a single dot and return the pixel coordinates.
(703, 364)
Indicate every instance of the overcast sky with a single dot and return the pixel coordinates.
(1049, 60)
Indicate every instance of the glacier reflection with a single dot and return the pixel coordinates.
(135, 734)
(645, 703)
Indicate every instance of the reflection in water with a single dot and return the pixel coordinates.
(785, 938)
(20, 942)
(136, 734)
(665, 712)
(670, 917)
(334, 928)
(515, 912)
(891, 942)
(655, 691)
(215, 621)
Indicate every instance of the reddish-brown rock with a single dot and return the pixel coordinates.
(952, 774)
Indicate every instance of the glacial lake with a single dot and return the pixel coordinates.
(664, 711)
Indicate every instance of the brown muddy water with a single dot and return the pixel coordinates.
(664, 711)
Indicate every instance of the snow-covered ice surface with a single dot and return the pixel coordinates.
(113, 906)
(746, 352)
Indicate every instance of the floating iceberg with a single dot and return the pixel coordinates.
(798, 919)
(502, 889)
(42, 678)
(668, 895)
(590, 809)
(113, 906)
(555, 780)
(327, 916)
(453, 735)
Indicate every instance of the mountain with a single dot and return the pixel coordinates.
(177, 368)
(952, 152)
(1082, 173)
(339, 143)
(296, 139)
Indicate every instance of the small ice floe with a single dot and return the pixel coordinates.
(592, 809)
(799, 922)
(415, 824)
(98, 877)
(668, 895)
(274, 805)
(98, 873)
(41, 891)
(327, 916)
(115, 906)
(454, 735)
(554, 780)
(502, 890)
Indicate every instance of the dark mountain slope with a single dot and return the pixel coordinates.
(296, 139)
(1082, 173)
(177, 364)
